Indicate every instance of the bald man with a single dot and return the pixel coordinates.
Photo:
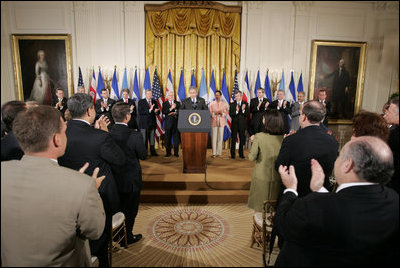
(356, 225)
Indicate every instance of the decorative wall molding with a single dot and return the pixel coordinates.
(391, 6)
(133, 6)
(194, 4)
(81, 6)
(303, 6)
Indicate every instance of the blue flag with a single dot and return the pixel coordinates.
(80, 80)
(100, 84)
(258, 83)
(225, 97)
(292, 87)
(300, 85)
(193, 80)
(282, 84)
(213, 88)
(147, 83)
(181, 89)
(203, 88)
(268, 88)
(135, 91)
(114, 86)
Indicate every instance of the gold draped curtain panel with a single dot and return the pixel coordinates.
(183, 36)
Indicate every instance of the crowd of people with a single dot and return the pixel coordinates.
(66, 153)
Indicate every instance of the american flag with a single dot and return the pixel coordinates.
(92, 91)
(234, 90)
(159, 99)
(80, 80)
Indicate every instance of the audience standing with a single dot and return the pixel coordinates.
(147, 122)
(370, 124)
(218, 110)
(265, 181)
(47, 212)
(297, 108)
(128, 176)
(358, 225)
(10, 148)
(95, 146)
(104, 106)
(392, 118)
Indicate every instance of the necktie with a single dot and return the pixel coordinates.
(340, 71)
(170, 103)
(125, 100)
(149, 104)
(260, 100)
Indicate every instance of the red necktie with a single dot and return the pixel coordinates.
(149, 104)
(126, 101)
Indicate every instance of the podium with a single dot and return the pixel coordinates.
(194, 126)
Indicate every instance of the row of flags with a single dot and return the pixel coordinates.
(209, 96)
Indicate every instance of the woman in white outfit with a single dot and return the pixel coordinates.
(218, 110)
(41, 90)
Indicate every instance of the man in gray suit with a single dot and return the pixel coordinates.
(47, 211)
(297, 107)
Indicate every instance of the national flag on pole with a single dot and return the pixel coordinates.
(114, 86)
(203, 88)
(147, 84)
(292, 87)
(225, 97)
(236, 88)
(300, 84)
(157, 95)
(267, 88)
(213, 88)
(124, 83)
(193, 80)
(170, 86)
(100, 84)
(135, 90)
(181, 90)
(282, 84)
(92, 91)
(246, 90)
(258, 83)
(80, 80)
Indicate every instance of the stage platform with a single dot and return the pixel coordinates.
(226, 180)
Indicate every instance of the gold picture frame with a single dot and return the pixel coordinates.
(42, 63)
(344, 86)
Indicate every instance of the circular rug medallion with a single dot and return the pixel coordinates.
(188, 228)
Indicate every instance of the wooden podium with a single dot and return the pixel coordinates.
(194, 126)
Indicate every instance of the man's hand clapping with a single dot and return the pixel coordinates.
(99, 180)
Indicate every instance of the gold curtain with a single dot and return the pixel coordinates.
(193, 37)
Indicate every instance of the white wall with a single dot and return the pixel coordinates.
(275, 35)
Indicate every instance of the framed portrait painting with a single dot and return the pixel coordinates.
(42, 63)
(338, 68)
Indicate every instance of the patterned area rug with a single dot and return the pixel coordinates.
(181, 235)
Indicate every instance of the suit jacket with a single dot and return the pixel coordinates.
(87, 144)
(147, 119)
(295, 113)
(129, 176)
(239, 119)
(298, 149)
(10, 149)
(340, 82)
(99, 112)
(188, 105)
(328, 111)
(358, 226)
(284, 111)
(64, 105)
(256, 119)
(394, 145)
(47, 214)
(133, 122)
(170, 120)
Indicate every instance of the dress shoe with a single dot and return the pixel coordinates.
(131, 240)
(242, 156)
(177, 155)
(232, 156)
(154, 153)
(167, 155)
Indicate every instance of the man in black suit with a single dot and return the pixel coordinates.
(238, 111)
(10, 149)
(60, 103)
(194, 102)
(340, 89)
(132, 106)
(95, 146)
(128, 176)
(104, 106)
(322, 99)
(309, 142)
(170, 110)
(392, 117)
(148, 110)
(283, 106)
(258, 106)
(358, 225)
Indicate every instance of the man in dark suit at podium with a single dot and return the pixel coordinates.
(258, 106)
(238, 111)
(170, 110)
(194, 102)
(147, 123)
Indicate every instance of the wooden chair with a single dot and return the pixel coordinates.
(118, 230)
(262, 230)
